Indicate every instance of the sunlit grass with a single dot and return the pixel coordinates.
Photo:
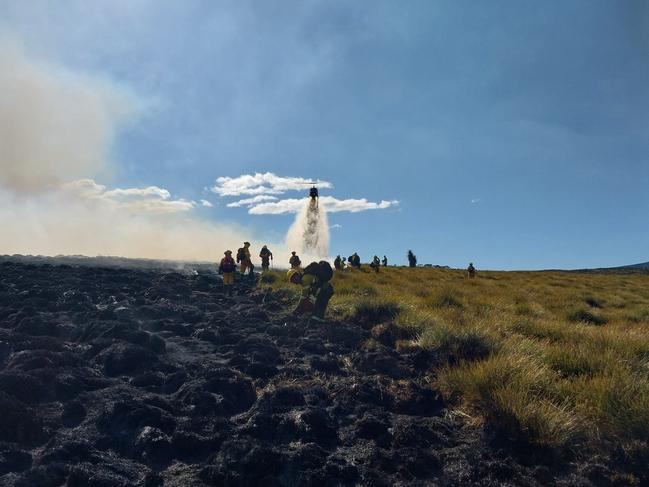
(553, 358)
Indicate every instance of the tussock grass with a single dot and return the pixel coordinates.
(376, 311)
(554, 359)
(445, 297)
(593, 302)
(456, 345)
(268, 278)
(586, 316)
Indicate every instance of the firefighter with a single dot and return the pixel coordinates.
(266, 256)
(294, 260)
(227, 267)
(315, 280)
(244, 258)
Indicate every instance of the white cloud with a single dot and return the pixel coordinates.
(206, 204)
(333, 205)
(153, 192)
(151, 199)
(251, 201)
(336, 225)
(278, 207)
(262, 184)
(476, 200)
(265, 187)
(86, 188)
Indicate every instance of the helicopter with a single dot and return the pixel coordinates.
(313, 194)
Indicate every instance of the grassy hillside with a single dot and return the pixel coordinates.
(555, 359)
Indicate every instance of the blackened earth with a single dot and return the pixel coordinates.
(117, 376)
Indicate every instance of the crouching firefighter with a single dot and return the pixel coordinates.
(315, 281)
(376, 263)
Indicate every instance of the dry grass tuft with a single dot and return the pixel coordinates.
(586, 316)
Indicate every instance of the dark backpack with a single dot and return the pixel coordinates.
(321, 270)
(227, 265)
(325, 272)
(241, 254)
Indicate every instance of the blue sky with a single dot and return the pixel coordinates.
(514, 134)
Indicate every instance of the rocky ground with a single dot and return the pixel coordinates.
(116, 376)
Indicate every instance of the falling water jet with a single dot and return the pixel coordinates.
(309, 234)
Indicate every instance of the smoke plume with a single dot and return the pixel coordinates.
(56, 132)
(55, 125)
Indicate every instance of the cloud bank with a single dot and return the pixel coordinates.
(135, 200)
(263, 184)
(249, 202)
(267, 187)
(333, 205)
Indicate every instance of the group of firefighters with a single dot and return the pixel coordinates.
(314, 278)
(354, 261)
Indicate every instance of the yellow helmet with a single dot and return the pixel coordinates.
(294, 276)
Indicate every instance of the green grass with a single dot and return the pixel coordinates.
(557, 359)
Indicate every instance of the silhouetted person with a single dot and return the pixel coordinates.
(471, 271)
(294, 260)
(355, 261)
(385, 261)
(376, 263)
(412, 259)
(338, 263)
(266, 256)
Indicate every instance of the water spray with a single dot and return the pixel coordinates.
(309, 234)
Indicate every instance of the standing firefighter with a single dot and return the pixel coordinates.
(471, 271)
(412, 259)
(244, 257)
(294, 261)
(376, 263)
(385, 261)
(315, 279)
(354, 261)
(266, 256)
(338, 263)
(226, 269)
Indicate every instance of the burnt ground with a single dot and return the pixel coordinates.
(115, 377)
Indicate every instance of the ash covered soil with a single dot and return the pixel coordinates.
(116, 376)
